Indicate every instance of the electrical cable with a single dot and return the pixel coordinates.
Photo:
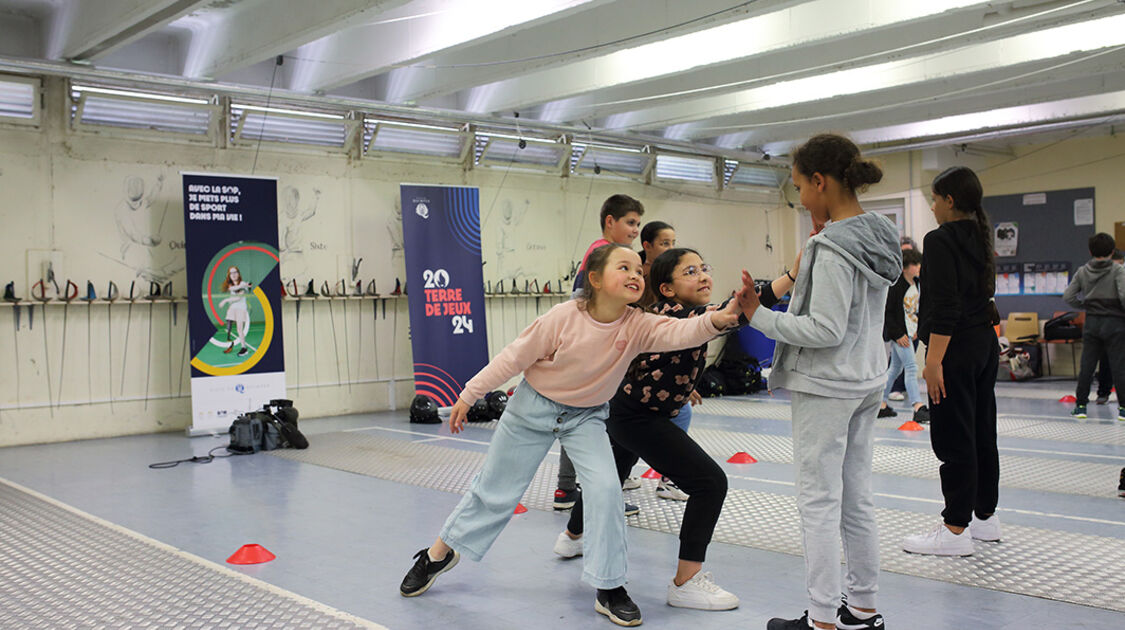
(265, 114)
(204, 459)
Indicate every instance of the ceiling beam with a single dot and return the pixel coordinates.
(255, 30)
(721, 112)
(595, 32)
(85, 31)
(421, 29)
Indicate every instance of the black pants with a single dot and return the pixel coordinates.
(1101, 336)
(1105, 376)
(669, 450)
(963, 426)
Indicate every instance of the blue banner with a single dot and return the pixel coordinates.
(441, 234)
(234, 296)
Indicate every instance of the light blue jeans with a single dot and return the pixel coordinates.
(528, 428)
(683, 420)
(902, 360)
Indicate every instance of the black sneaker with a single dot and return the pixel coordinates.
(845, 620)
(632, 510)
(243, 352)
(1101, 400)
(777, 623)
(887, 412)
(922, 415)
(615, 604)
(1121, 484)
(565, 499)
(421, 576)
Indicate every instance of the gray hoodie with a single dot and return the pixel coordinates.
(1101, 283)
(830, 343)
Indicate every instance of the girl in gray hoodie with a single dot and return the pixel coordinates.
(830, 356)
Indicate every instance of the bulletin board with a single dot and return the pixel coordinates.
(1042, 239)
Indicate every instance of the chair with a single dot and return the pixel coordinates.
(1080, 321)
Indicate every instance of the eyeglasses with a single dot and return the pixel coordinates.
(692, 271)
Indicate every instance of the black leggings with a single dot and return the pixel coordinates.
(668, 449)
(963, 426)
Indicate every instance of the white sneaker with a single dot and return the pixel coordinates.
(568, 547)
(631, 483)
(939, 542)
(897, 396)
(665, 489)
(987, 529)
(701, 593)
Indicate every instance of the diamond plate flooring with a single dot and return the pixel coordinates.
(61, 568)
(1031, 561)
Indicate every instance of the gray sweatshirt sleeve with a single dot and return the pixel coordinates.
(1070, 295)
(1119, 277)
(829, 307)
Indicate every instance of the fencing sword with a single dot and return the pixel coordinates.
(374, 293)
(42, 297)
(342, 292)
(153, 295)
(10, 296)
(166, 292)
(359, 324)
(128, 324)
(326, 292)
(67, 295)
(89, 300)
(311, 293)
(290, 291)
(111, 295)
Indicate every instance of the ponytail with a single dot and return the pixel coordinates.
(963, 185)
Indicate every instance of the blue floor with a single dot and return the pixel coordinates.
(346, 540)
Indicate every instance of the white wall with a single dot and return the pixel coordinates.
(62, 191)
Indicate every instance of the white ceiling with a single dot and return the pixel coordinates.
(745, 76)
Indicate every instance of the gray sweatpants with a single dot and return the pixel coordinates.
(832, 445)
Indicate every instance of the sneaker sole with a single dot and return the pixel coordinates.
(456, 559)
(986, 539)
(632, 512)
(943, 555)
(670, 497)
(565, 506)
(703, 606)
(614, 618)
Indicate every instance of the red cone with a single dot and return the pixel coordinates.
(251, 554)
(1068, 399)
(742, 457)
(511, 392)
(911, 425)
(520, 509)
(651, 474)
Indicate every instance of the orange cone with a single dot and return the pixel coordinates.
(651, 474)
(251, 554)
(742, 457)
(520, 509)
(911, 425)
(1068, 399)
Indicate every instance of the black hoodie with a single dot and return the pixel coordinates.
(956, 297)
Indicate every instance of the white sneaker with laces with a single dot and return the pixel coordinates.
(939, 542)
(568, 547)
(987, 529)
(665, 489)
(701, 593)
(631, 483)
(897, 396)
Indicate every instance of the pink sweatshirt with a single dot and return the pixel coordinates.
(574, 360)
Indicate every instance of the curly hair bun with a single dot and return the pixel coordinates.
(861, 173)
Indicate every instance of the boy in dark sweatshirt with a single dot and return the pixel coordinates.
(1098, 287)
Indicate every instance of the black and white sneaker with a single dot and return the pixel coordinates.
(243, 352)
(922, 415)
(632, 510)
(886, 412)
(565, 499)
(777, 623)
(845, 620)
(421, 576)
(616, 604)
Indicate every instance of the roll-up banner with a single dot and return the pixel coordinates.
(234, 297)
(441, 233)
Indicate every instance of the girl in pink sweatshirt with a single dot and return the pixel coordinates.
(572, 358)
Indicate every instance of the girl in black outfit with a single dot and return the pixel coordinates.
(955, 320)
(640, 425)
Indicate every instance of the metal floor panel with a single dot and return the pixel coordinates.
(62, 568)
(1007, 424)
(1038, 562)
